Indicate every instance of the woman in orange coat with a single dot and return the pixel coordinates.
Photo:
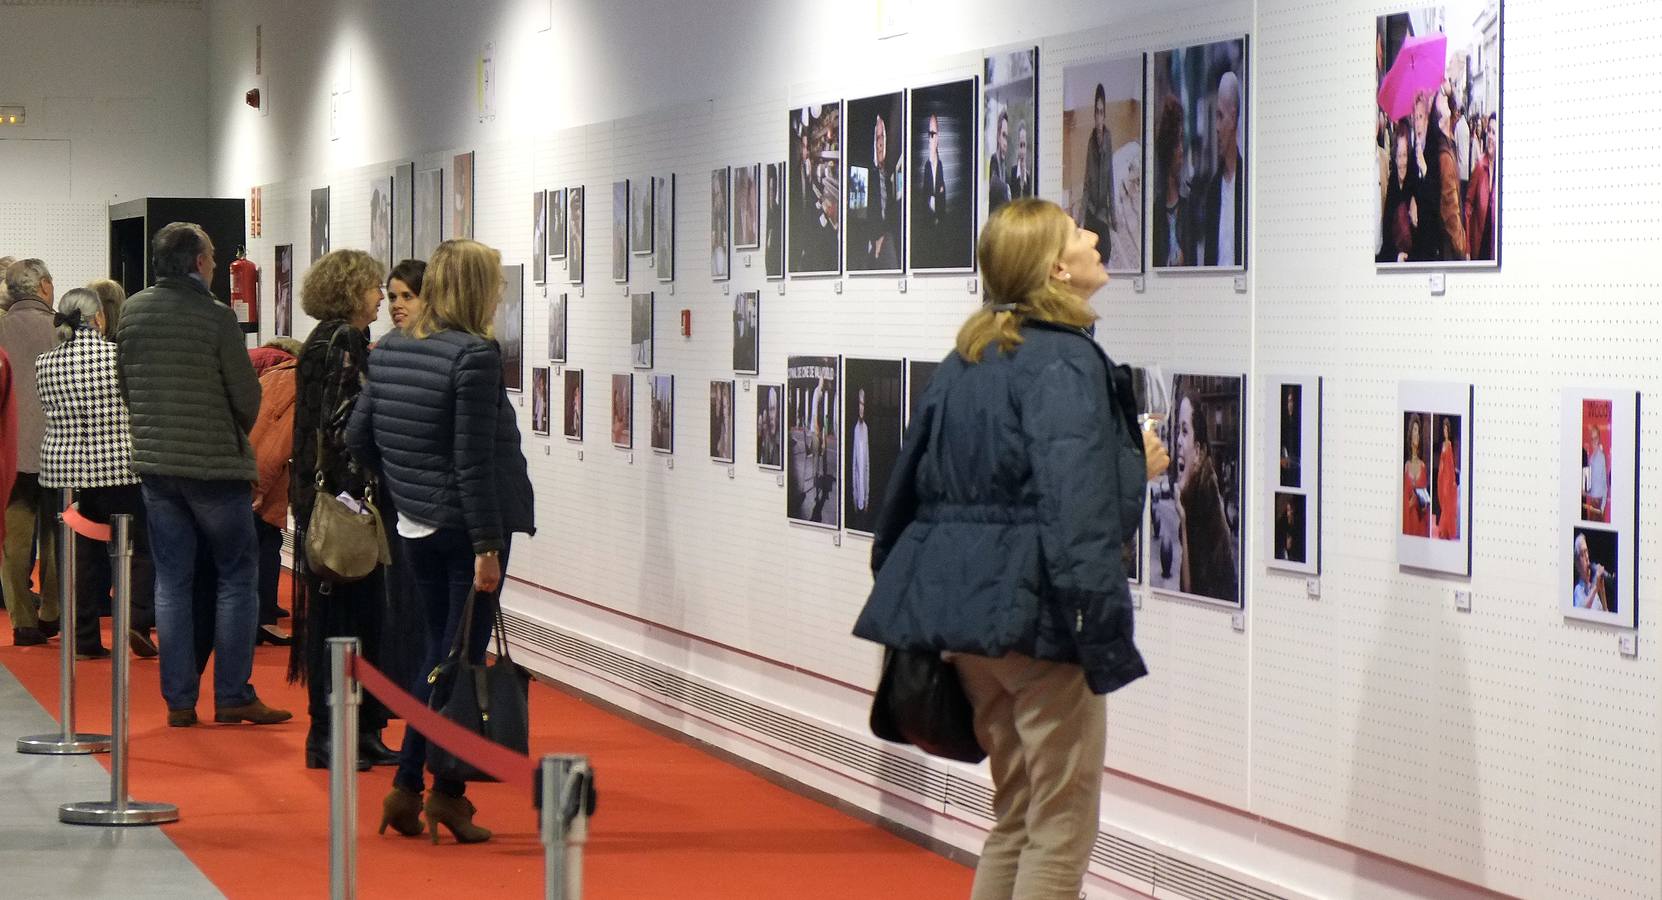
(273, 442)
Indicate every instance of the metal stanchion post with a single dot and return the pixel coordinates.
(119, 810)
(344, 697)
(565, 824)
(67, 741)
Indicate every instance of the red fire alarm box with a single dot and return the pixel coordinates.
(686, 323)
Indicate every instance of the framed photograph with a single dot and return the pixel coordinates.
(320, 223)
(770, 430)
(1200, 133)
(640, 330)
(720, 216)
(1436, 521)
(574, 404)
(1102, 156)
(876, 187)
(380, 221)
(1437, 111)
(556, 229)
(663, 413)
(918, 373)
(539, 237)
(620, 231)
(283, 267)
(747, 322)
(510, 326)
(1010, 121)
(813, 473)
(814, 218)
(873, 390)
(747, 206)
(461, 195)
(941, 161)
(541, 416)
(428, 231)
(403, 212)
(623, 410)
(773, 255)
(1195, 527)
(640, 217)
(1294, 473)
(557, 328)
(663, 225)
(721, 421)
(1600, 510)
(574, 234)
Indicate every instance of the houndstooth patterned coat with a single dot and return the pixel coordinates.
(88, 442)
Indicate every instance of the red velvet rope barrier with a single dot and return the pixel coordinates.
(488, 756)
(84, 526)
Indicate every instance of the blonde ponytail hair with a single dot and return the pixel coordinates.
(1019, 248)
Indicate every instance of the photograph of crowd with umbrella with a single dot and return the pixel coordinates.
(1437, 135)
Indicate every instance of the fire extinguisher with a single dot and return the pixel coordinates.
(245, 287)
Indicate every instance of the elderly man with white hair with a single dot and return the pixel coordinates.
(27, 331)
(1223, 213)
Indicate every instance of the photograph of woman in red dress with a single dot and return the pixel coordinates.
(1416, 477)
(1446, 505)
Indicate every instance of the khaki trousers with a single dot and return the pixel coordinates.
(30, 506)
(1044, 733)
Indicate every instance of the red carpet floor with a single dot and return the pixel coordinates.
(673, 821)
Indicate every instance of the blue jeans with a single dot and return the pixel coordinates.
(441, 569)
(184, 512)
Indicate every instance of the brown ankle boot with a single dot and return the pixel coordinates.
(402, 810)
(456, 814)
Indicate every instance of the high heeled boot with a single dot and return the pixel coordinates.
(402, 810)
(456, 814)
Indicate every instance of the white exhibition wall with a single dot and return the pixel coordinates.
(1337, 746)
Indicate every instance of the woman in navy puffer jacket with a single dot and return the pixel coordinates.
(1022, 474)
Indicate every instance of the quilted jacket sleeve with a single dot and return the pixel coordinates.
(477, 379)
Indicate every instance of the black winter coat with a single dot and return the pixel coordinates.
(1020, 478)
(434, 421)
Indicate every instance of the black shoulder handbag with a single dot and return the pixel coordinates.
(921, 702)
(489, 700)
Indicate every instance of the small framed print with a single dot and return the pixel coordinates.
(556, 229)
(747, 206)
(747, 321)
(620, 231)
(663, 413)
(623, 410)
(770, 426)
(640, 217)
(721, 243)
(1435, 477)
(574, 234)
(557, 328)
(541, 420)
(574, 404)
(1599, 527)
(640, 330)
(1294, 473)
(721, 421)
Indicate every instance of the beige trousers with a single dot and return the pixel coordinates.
(30, 506)
(1044, 733)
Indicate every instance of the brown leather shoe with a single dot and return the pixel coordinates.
(181, 718)
(255, 712)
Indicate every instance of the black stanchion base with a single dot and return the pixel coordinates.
(105, 812)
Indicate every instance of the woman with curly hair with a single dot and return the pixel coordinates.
(343, 291)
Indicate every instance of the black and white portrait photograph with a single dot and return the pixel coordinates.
(663, 212)
(541, 416)
(539, 237)
(941, 160)
(556, 226)
(1198, 213)
(283, 263)
(623, 409)
(876, 192)
(1195, 508)
(574, 234)
(640, 216)
(320, 223)
(1102, 156)
(815, 186)
(429, 213)
(770, 430)
(403, 211)
(640, 330)
(918, 373)
(773, 254)
(557, 328)
(872, 394)
(380, 221)
(813, 473)
(663, 413)
(510, 326)
(1010, 120)
(1291, 465)
(574, 404)
(721, 421)
(720, 238)
(620, 231)
(747, 207)
(747, 320)
(461, 195)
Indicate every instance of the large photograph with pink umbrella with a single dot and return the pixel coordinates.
(1437, 131)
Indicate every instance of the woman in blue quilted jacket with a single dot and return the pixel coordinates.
(1023, 472)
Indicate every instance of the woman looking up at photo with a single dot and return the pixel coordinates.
(1020, 477)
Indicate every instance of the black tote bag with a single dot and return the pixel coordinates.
(921, 702)
(490, 700)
